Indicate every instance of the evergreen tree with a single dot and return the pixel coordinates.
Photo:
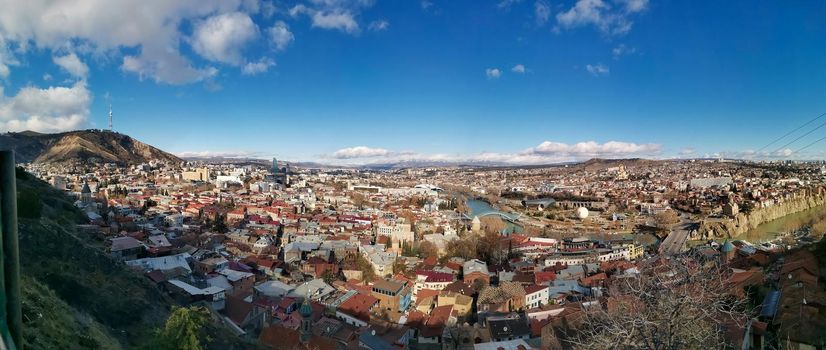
(184, 329)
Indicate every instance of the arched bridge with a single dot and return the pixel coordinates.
(503, 216)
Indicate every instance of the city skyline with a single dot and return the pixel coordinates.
(359, 82)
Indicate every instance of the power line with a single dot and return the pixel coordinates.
(799, 137)
(807, 146)
(791, 132)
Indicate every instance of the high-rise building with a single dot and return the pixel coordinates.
(275, 166)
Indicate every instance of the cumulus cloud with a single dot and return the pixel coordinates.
(611, 149)
(360, 152)
(547, 152)
(519, 68)
(379, 25)
(52, 109)
(493, 73)
(598, 69)
(542, 12)
(608, 19)
(333, 14)
(6, 58)
(221, 38)
(340, 20)
(280, 35)
(73, 65)
(149, 30)
(258, 67)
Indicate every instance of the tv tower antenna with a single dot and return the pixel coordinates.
(110, 117)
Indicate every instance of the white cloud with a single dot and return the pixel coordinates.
(360, 152)
(280, 35)
(542, 12)
(594, 149)
(598, 69)
(622, 50)
(149, 30)
(222, 38)
(165, 67)
(688, 151)
(53, 109)
(340, 20)
(6, 58)
(333, 14)
(493, 73)
(635, 5)
(519, 68)
(73, 65)
(610, 20)
(547, 152)
(261, 66)
(379, 25)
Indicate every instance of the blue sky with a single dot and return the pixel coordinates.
(360, 81)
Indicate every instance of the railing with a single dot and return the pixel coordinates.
(11, 320)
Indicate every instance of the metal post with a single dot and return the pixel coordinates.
(11, 254)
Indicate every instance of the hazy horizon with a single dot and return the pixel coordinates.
(362, 81)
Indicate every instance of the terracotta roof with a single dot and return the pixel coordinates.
(358, 306)
(543, 277)
(281, 338)
(237, 309)
(534, 288)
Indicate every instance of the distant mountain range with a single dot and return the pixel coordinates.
(81, 145)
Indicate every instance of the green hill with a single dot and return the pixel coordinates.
(74, 296)
(67, 270)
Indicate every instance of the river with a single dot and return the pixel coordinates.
(479, 207)
(788, 223)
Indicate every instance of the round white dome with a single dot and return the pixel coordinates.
(582, 213)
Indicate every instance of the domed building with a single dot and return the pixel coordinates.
(582, 213)
(727, 251)
(86, 193)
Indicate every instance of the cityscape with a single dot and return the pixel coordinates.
(422, 175)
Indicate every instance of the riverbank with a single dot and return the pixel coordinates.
(750, 226)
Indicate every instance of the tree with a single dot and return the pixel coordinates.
(489, 248)
(399, 267)
(493, 224)
(428, 249)
(184, 329)
(368, 273)
(328, 276)
(665, 219)
(464, 248)
(671, 304)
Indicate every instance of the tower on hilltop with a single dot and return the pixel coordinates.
(110, 117)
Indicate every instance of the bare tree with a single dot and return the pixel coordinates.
(665, 219)
(671, 304)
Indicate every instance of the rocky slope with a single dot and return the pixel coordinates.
(81, 146)
(743, 222)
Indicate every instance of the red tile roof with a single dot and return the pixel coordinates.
(359, 306)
